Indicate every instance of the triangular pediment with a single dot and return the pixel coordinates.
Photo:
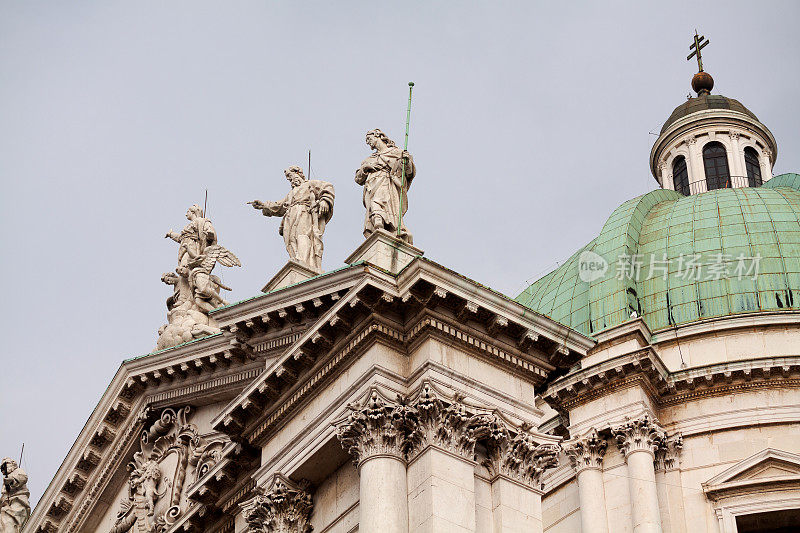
(767, 467)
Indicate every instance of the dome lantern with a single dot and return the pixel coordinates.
(711, 141)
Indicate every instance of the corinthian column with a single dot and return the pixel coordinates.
(284, 508)
(374, 434)
(586, 454)
(639, 440)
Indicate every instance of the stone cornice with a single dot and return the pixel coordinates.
(115, 423)
(357, 317)
(667, 387)
(725, 323)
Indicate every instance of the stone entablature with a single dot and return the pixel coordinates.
(489, 325)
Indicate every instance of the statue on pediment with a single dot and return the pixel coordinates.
(386, 176)
(305, 210)
(15, 507)
(196, 291)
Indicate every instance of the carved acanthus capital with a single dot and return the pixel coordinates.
(641, 434)
(448, 425)
(691, 139)
(378, 427)
(587, 451)
(667, 453)
(517, 455)
(285, 508)
(734, 135)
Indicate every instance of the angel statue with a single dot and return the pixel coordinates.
(205, 285)
(14, 505)
(305, 210)
(385, 186)
(195, 289)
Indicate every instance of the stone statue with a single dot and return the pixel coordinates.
(305, 210)
(384, 190)
(196, 290)
(14, 505)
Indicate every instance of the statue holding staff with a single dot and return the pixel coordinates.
(386, 176)
(305, 210)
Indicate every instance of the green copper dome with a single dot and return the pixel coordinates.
(674, 259)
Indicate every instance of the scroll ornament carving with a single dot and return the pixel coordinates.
(587, 451)
(641, 434)
(377, 428)
(284, 509)
(196, 290)
(15, 508)
(155, 498)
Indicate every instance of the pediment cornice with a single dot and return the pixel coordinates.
(769, 469)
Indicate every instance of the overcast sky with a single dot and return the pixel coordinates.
(531, 122)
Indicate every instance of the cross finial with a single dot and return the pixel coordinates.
(695, 47)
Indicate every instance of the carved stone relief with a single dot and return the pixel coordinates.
(171, 451)
(15, 508)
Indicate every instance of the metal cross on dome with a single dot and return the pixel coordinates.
(696, 46)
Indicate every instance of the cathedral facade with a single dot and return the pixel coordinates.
(649, 384)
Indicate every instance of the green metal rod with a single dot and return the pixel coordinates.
(405, 148)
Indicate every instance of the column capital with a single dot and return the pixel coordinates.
(377, 427)
(286, 507)
(445, 424)
(518, 456)
(667, 454)
(643, 434)
(587, 451)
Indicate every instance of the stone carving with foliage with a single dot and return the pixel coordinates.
(15, 508)
(405, 428)
(587, 451)
(196, 291)
(640, 434)
(285, 508)
(170, 449)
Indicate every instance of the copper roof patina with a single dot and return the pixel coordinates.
(704, 102)
(694, 258)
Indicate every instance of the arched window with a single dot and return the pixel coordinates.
(680, 175)
(715, 159)
(752, 166)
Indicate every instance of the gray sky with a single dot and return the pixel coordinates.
(530, 124)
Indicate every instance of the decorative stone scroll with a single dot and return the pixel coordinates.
(641, 434)
(285, 508)
(587, 451)
(196, 290)
(171, 451)
(15, 508)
